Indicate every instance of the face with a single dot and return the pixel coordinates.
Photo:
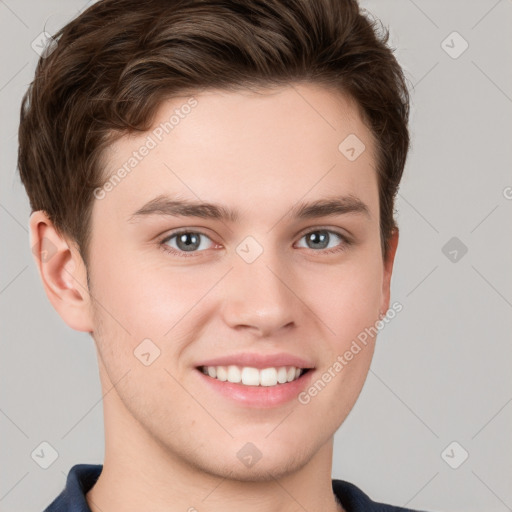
(274, 283)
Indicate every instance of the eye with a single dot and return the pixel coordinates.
(321, 238)
(183, 242)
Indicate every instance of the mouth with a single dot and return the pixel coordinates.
(259, 388)
(254, 377)
(255, 380)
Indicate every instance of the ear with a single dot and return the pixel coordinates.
(62, 272)
(388, 270)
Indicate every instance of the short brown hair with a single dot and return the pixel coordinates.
(114, 64)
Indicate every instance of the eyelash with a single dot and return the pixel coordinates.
(183, 254)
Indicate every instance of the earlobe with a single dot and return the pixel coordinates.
(62, 272)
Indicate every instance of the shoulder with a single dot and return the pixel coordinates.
(354, 499)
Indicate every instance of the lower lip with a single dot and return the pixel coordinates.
(258, 396)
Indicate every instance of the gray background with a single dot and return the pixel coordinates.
(442, 367)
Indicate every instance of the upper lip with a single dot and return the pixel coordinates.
(259, 361)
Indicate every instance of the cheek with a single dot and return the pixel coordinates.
(347, 297)
(347, 301)
(137, 302)
(146, 297)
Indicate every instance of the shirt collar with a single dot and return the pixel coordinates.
(80, 480)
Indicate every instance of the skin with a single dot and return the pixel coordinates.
(171, 443)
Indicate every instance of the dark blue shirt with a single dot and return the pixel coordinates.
(82, 477)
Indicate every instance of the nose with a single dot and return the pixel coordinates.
(259, 296)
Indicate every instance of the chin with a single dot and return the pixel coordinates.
(247, 461)
(264, 470)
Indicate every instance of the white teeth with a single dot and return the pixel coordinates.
(234, 374)
(222, 373)
(268, 377)
(282, 375)
(250, 376)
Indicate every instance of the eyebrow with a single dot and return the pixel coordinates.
(168, 206)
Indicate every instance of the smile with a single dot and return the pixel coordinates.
(249, 376)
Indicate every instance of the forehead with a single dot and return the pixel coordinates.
(245, 147)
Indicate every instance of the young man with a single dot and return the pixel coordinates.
(212, 185)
